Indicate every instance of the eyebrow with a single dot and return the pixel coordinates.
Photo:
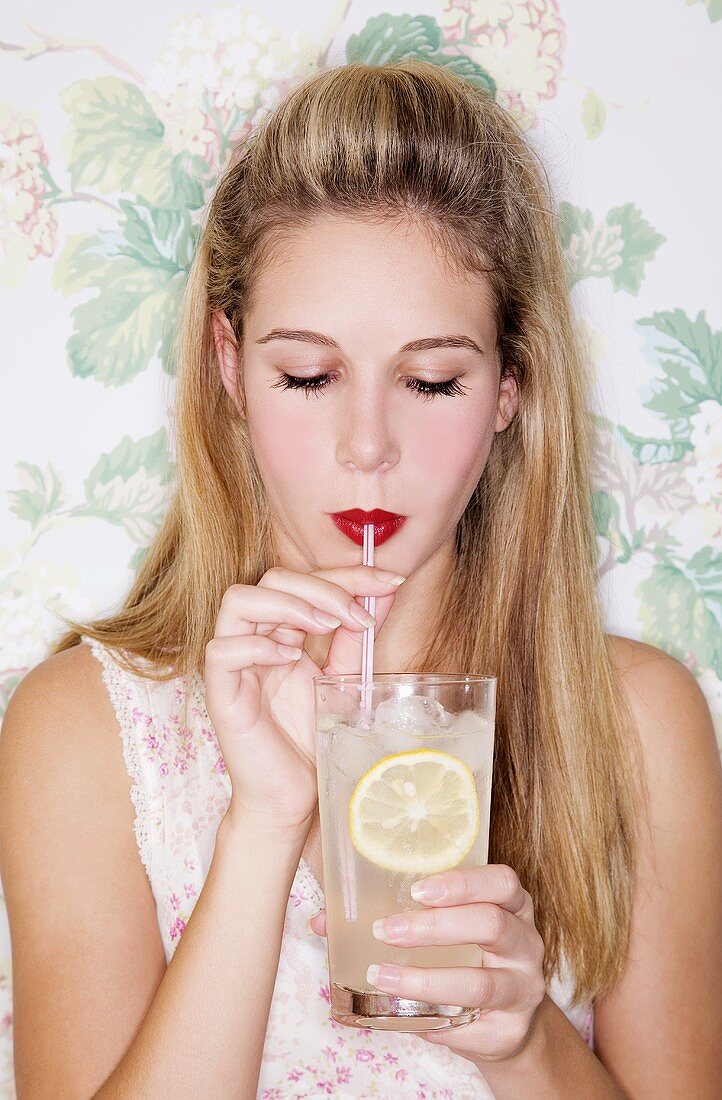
(427, 343)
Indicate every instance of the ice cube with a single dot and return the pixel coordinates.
(413, 714)
(468, 721)
(351, 753)
(326, 722)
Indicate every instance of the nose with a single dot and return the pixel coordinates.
(366, 439)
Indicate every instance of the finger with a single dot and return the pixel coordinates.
(226, 660)
(289, 635)
(468, 986)
(244, 606)
(317, 923)
(494, 882)
(334, 590)
(344, 655)
(489, 926)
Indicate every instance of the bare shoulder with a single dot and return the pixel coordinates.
(628, 653)
(60, 735)
(674, 967)
(66, 682)
(87, 954)
(664, 697)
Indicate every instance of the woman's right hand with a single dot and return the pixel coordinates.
(259, 695)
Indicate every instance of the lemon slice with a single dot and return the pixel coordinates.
(415, 812)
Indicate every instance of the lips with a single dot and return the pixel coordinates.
(351, 523)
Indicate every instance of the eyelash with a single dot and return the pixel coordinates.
(428, 390)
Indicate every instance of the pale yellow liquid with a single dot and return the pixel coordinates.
(358, 892)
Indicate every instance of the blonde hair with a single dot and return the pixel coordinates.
(409, 139)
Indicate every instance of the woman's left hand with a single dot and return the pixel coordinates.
(486, 906)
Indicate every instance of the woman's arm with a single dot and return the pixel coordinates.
(96, 1011)
(657, 1034)
(204, 1033)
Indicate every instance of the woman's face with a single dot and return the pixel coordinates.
(373, 317)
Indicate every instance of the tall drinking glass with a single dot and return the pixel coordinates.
(404, 777)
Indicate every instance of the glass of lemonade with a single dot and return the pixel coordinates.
(404, 777)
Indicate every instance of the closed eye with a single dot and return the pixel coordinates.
(451, 388)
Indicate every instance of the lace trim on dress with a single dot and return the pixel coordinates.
(313, 890)
(114, 679)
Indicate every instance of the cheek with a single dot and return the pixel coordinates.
(449, 457)
(287, 447)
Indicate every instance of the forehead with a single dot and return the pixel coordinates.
(375, 268)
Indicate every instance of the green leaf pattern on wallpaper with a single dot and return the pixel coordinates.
(140, 153)
(714, 8)
(678, 475)
(126, 487)
(617, 248)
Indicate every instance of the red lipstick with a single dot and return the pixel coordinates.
(351, 523)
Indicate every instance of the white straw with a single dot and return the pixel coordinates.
(348, 862)
(369, 602)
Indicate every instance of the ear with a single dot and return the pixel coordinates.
(227, 356)
(508, 403)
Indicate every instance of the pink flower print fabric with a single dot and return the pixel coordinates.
(181, 790)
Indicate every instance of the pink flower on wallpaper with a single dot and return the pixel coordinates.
(325, 992)
(456, 13)
(215, 72)
(343, 1075)
(295, 1075)
(27, 227)
(520, 43)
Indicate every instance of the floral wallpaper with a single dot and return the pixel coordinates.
(114, 124)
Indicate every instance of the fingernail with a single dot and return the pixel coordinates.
(428, 891)
(360, 615)
(392, 578)
(289, 651)
(325, 620)
(390, 929)
(385, 977)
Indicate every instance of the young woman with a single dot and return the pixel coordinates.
(377, 318)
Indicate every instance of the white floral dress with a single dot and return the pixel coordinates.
(180, 792)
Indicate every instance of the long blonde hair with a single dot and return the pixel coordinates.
(409, 139)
